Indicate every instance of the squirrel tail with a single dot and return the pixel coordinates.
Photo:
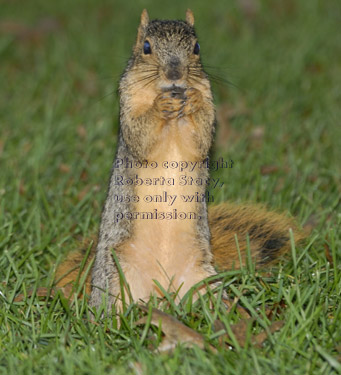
(238, 232)
(73, 269)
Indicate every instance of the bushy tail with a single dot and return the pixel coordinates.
(74, 267)
(252, 226)
(249, 226)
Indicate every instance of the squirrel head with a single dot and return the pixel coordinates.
(167, 52)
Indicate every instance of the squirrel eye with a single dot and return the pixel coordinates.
(196, 48)
(146, 48)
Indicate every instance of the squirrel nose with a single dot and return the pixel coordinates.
(173, 69)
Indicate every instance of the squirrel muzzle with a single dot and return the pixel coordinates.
(173, 69)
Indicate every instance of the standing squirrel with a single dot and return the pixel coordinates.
(167, 114)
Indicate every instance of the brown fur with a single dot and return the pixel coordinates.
(69, 271)
(268, 237)
(268, 234)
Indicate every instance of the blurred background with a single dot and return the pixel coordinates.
(275, 70)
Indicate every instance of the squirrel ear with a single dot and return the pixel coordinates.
(190, 17)
(144, 18)
(142, 27)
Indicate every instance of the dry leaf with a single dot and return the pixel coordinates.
(44, 26)
(225, 132)
(21, 31)
(240, 332)
(259, 339)
(175, 331)
(312, 178)
(81, 195)
(22, 188)
(64, 168)
(328, 254)
(310, 224)
(268, 169)
(276, 309)
(81, 131)
(84, 175)
(67, 290)
(40, 292)
(224, 129)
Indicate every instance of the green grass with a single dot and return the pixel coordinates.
(59, 67)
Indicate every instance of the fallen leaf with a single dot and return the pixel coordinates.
(175, 331)
(64, 168)
(310, 224)
(242, 311)
(314, 68)
(35, 33)
(225, 132)
(259, 339)
(22, 188)
(81, 131)
(240, 330)
(224, 129)
(84, 175)
(67, 290)
(268, 169)
(81, 195)
(276, 309)
(312, 178)
(40, 292)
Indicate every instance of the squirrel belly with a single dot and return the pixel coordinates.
(173, 251)
(167, 114)
(267, 232)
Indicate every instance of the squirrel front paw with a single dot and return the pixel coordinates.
(194, 101)
(177, 103)
(170, 104)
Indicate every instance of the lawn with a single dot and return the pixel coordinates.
(276, 74)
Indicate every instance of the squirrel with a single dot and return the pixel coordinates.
(167, 114)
